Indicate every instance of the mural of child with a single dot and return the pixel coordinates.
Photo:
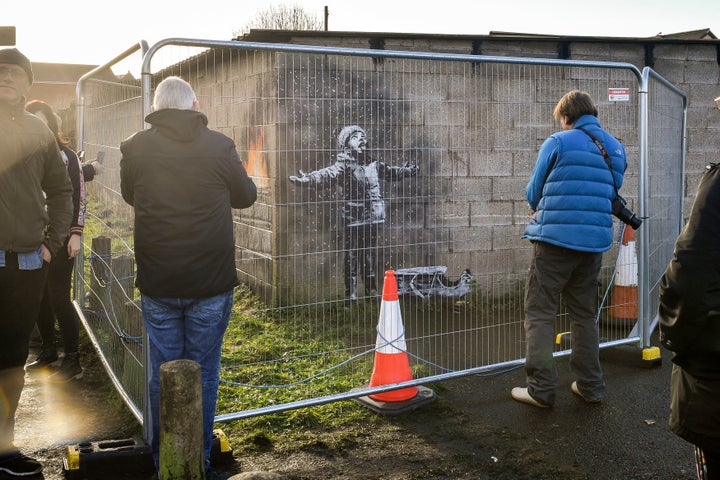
(357, 176)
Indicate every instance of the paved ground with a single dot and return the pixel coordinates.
(626, 437)
(473, 422)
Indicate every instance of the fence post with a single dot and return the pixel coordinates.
(182, 454)
(100, 267)
(123, 268)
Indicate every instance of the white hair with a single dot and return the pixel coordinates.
(174, 92)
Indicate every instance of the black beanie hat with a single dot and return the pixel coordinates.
(13, 56)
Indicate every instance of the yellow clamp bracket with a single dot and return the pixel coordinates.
(224, 442)
(72, 458)
(652, 353)
(558, 337)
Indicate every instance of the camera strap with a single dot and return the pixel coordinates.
(605, 155)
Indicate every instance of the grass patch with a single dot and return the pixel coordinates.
(271, 358)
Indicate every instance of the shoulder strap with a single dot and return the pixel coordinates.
(605, 155)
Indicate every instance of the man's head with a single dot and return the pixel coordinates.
(15, 75)
(574, 105)
(352, 138)
(174, 92)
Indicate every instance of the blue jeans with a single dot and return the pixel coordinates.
(190, 329)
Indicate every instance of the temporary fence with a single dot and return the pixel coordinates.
(455, 139)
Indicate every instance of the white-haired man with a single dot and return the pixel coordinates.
(183, 181)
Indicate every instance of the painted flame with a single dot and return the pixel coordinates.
(255, 165)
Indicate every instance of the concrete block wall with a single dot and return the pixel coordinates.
(474, 130)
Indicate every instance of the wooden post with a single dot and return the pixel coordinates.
(182, 452)
(123, 280)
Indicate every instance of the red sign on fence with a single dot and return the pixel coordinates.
(618, 94)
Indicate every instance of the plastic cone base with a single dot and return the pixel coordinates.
(424, 396)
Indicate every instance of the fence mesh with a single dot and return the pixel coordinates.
(451, 144)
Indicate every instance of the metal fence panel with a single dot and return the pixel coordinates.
(452, 233)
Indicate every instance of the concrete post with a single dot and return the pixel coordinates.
(182, 455)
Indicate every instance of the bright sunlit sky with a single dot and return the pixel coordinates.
(94, 31)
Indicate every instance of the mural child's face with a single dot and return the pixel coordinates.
(357, 142)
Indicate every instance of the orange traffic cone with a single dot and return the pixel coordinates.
(391, 359)
(625, 288)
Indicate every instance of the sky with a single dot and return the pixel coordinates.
(94, 32)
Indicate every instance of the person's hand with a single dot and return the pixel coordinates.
(303, 178)
(47, 256)
(73, 246)
(98, 167)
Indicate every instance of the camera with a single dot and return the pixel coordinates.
(625, 214)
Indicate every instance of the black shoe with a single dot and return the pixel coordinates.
(69, 369)
(46, 357)
(18, 465)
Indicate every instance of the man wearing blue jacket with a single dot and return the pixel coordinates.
(570, 194)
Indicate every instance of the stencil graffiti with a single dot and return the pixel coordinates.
(358, 179)
(425, 282)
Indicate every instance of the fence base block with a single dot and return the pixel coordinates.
(651, 357)
(127, 457)
(424, 396)
(108, 458)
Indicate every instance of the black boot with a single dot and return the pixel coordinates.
(47, 356)
(70, 369)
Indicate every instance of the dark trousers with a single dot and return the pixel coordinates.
(57, 303)
(20, 295)
(555, 273)
(360, 246)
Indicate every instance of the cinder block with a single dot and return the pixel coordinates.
(127, 458)
(108, 458)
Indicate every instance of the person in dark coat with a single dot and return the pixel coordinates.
(183, 181)
(57, 301)
(35, 215)
(689, 315)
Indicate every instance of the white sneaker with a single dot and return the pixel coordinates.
(521, 395)
(576, 391)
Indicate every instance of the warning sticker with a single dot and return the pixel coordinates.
(618, 94)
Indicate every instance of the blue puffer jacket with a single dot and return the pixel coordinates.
(571, 190)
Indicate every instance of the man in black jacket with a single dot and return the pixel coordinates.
(689, 315)
(35, 214)
(183, 181)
